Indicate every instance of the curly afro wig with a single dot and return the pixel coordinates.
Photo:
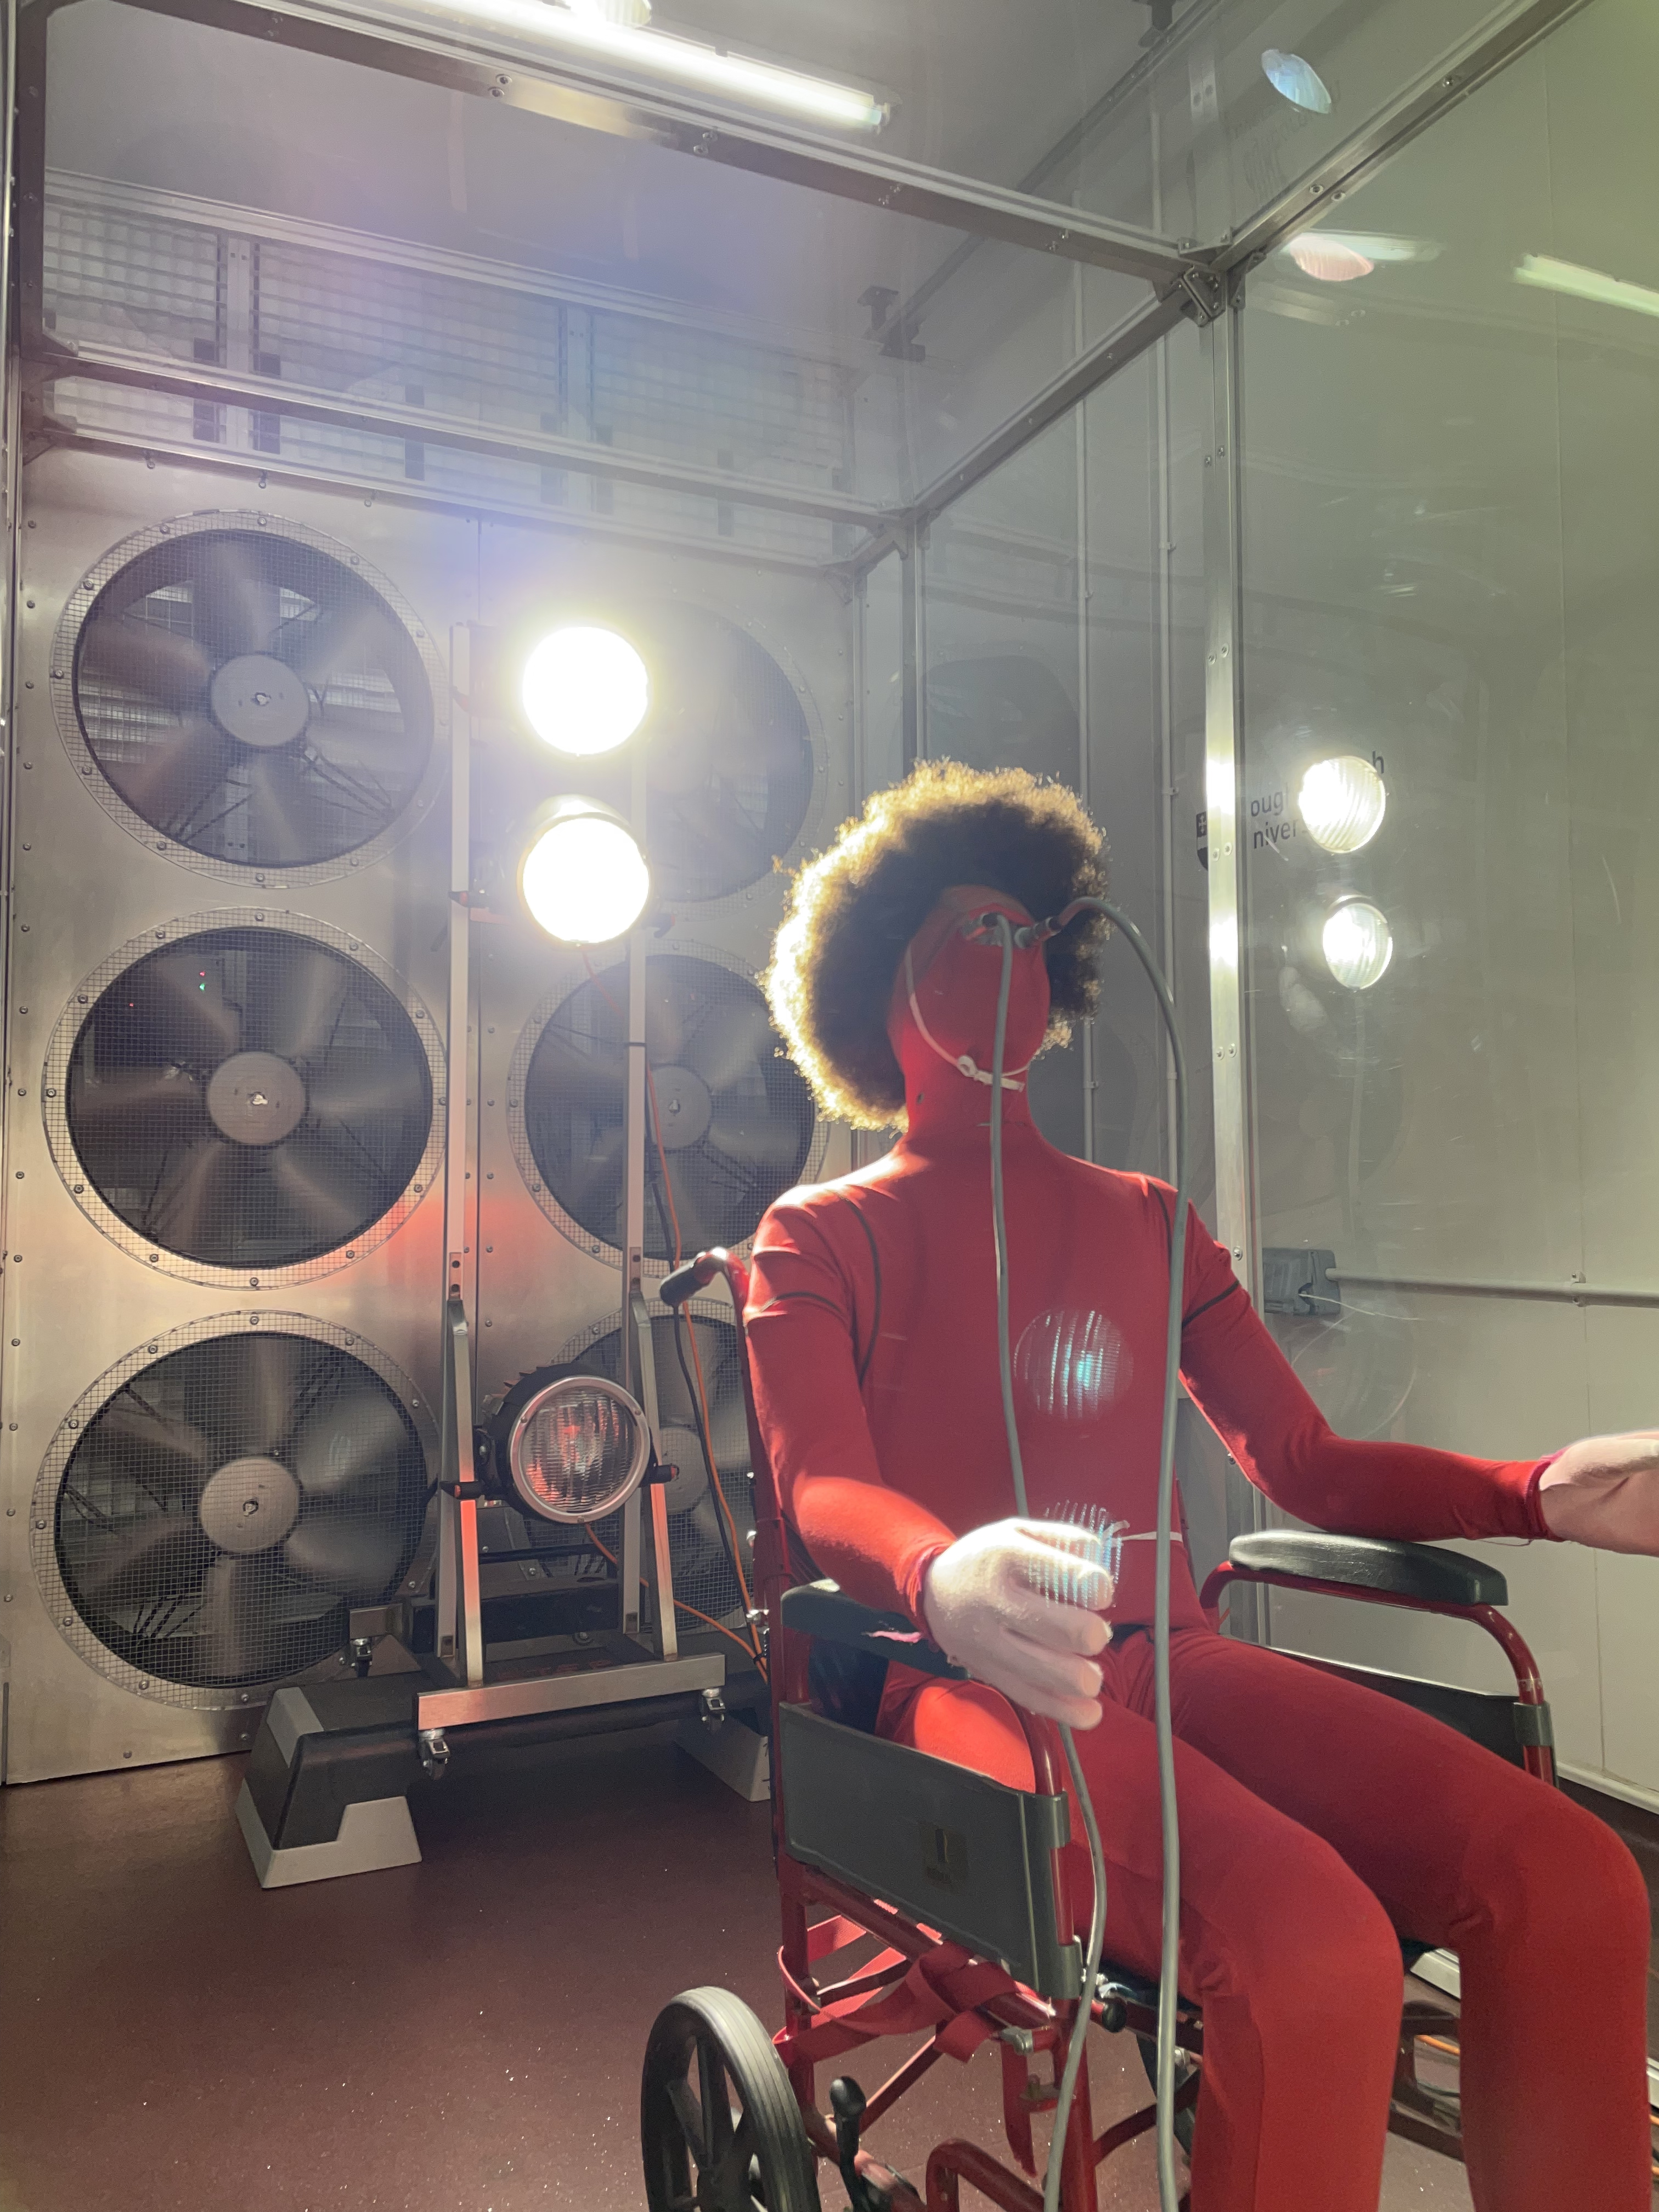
(853, 909)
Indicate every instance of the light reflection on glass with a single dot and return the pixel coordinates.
(1073, 1366)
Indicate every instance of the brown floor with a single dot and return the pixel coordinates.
(466, 2033)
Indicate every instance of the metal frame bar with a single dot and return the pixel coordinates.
(571, 90)
(1570, 1294)
(426, 426)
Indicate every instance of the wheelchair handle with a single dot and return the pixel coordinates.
(694, 1275)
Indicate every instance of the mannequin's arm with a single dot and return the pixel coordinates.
(1250, 1394)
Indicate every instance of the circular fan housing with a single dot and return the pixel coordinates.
(732, 1124)
(246, 696)
(245, 1099)
(578, 1449)
(729, 759)
(210, 1516)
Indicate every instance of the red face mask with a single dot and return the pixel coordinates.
(944, 1007)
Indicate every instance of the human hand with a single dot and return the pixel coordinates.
(1604, 1491)
(1019, 1604)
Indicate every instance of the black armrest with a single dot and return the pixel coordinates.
(819, 1610)
(1422, 1571)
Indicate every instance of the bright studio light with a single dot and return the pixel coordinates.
(1342, 802)
(1297, 80)
(582, 877)
(596, 36)
(1579, 284)
(585, 690)
(1358, 945)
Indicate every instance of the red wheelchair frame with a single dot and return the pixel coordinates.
(920, 1982)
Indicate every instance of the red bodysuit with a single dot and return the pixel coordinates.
(1320, 1821)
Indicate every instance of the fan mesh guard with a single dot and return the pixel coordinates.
(731, 772)
(704, 1579)
(735, 1114)
(178, 1042)
(247, 696)
(213, 1508)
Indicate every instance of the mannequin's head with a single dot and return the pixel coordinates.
(922, 860)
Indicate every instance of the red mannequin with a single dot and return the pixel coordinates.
(1318, 1821)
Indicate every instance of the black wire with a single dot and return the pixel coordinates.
(699, 1413)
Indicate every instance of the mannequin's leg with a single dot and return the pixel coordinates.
(1292, 1959)
(1545, 1907)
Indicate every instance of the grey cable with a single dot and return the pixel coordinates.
(1169, 1995)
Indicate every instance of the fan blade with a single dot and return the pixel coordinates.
(150, 1107)
(268, 1389)
(707, 835)
(188, 1213)
(131, 1426)
(355, 636)
(163, 1556)
(730, 1041)
(174, 775)
(388, 1085)
(333, 1196)
(237, 602)
(350, 1451)
(665, 1017)
(373, 749)
(750, 1134)
(567, 1071)
(234, 1639)
(695, 1234)
(288, 826)
(178, 1013)
(163, 665)
(594, 1181)
(296, 1014)
(362, 1557)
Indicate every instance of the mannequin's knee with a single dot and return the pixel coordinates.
(1555, 1883)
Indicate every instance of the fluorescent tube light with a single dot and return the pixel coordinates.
(1553, 276)
(659, 54)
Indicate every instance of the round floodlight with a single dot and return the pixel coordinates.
(579, 1450)
(1343, 802)
(583, 877)
(1358, 945)
(1297, 80)
(585, 690)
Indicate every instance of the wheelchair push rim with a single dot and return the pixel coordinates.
(720, 2128)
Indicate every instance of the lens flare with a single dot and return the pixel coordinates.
(1297, 80)
(1358, 945)
(585, 690)
(1343, 802)
(585, 879)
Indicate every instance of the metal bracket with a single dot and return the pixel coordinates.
(1203, 294)
(435, 1753)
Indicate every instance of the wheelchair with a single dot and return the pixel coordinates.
(961, 1884)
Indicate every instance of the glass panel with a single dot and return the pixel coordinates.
(1451, 568)
(386, 244)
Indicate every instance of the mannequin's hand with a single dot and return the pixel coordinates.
(1019, 1604)
(1604, 1491)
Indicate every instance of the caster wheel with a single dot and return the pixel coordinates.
(719, 2128)
(1185, 2069)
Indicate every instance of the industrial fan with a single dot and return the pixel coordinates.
(252, 698)
(731, 1119)
(226, 1508)
(729, 769)
(1002, 710)
(700, 1544)
(248, 1098)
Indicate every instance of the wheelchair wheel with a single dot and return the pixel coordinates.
(720, 2128)
(1185, 2068)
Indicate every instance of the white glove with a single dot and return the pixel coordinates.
(1019, 1604)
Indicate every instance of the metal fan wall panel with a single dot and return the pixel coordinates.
(93, 902)
(537, 1261)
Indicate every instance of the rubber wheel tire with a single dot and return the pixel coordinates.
(720, 2128)
(1185, 2122)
